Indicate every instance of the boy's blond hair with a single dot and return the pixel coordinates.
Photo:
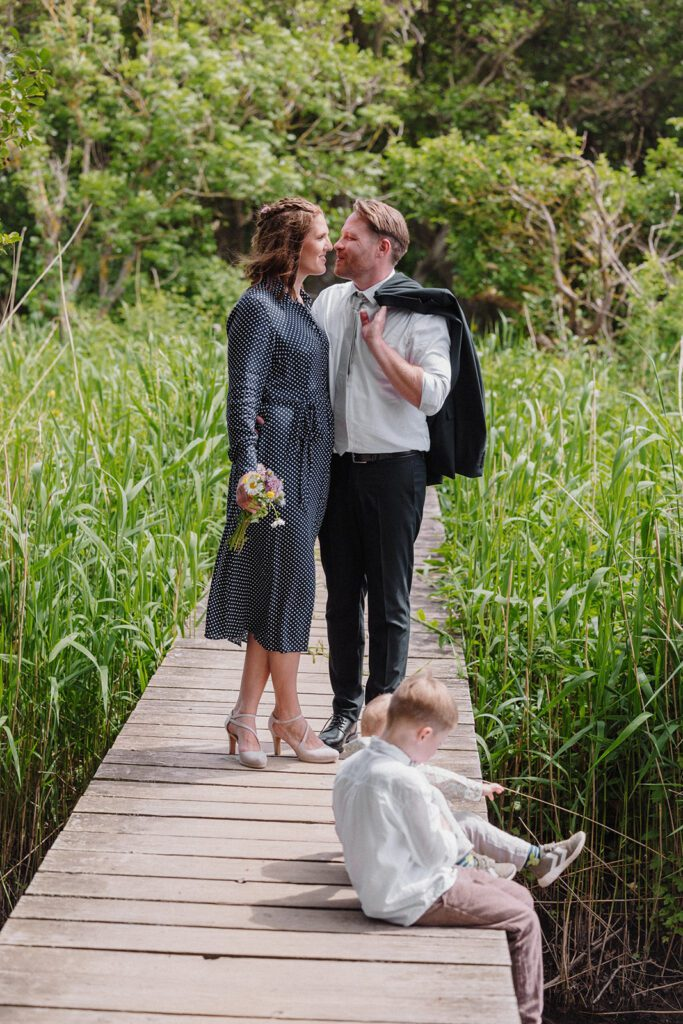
(422, 700)
(374, 718)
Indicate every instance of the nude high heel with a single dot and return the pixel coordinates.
(249, 758)
(318, 755)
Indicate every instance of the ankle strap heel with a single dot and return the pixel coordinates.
(248, 758)
(314, 755)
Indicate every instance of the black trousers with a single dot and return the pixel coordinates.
(373, 516)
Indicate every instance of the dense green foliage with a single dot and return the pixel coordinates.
(563, 569)
(173, 122)
(23, 80)
(612, 69)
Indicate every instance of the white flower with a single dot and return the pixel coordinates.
(277, 522)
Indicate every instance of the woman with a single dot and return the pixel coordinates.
(278, 380)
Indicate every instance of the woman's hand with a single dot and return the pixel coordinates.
(491, 789)
(244, 500)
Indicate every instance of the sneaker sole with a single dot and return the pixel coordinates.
(548, 879)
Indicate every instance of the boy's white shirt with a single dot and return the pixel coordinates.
(389, 819)
(453, 786)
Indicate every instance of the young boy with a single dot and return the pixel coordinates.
(400, 845)
(480, 844)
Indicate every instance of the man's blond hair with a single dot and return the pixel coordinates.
(387, 222)
(374, 718)
(422, 700)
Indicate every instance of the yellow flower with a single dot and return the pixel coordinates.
(270, 494)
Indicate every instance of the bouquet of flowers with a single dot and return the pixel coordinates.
(266, 493)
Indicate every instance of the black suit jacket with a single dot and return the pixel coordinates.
(458, 430)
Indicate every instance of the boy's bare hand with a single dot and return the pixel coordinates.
(491, 789)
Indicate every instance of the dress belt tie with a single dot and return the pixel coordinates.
(307, 429)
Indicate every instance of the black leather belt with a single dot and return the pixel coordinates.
(380, 456)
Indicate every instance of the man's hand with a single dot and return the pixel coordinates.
(373, 330)
(491, 789)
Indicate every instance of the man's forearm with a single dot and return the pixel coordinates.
(405, 378)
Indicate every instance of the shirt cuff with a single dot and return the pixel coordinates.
(434, 393)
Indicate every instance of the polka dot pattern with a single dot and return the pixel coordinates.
(277, 369)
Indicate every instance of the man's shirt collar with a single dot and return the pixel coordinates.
(369, 293)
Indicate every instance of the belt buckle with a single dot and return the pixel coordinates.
(360, 459)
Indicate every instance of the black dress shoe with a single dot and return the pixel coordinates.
(339, 730)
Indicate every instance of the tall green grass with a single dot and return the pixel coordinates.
(112, 452)
(563, 568)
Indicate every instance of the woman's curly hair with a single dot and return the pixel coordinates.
(276, 246)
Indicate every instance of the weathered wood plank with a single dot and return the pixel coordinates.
(236, 869)
(210, 777)
(462, 1014)
(208, 890)
(181, 756)
(219, 828)
(200, 793)
(52, 1015)
(212, 915)
(91, 802)
(452, 947)
(196, 846)
(212, 753)
(259, 988)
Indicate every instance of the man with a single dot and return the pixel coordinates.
(389, 371)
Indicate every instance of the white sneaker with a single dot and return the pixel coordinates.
(555, 857)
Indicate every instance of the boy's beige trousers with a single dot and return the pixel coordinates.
(479, 900)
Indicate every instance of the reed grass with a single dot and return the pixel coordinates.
(112, 452)
(563, 569)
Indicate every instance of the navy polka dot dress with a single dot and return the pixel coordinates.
(277, 369)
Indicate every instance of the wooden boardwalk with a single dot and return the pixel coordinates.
(186, 889)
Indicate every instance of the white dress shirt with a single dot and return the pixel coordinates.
(378, 419)
(399, 856)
